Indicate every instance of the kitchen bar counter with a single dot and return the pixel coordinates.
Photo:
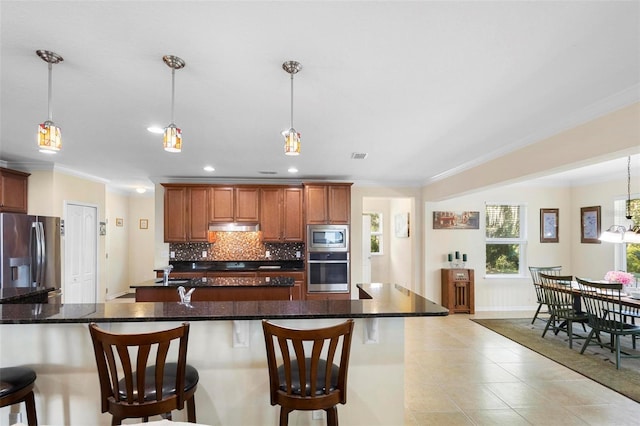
(386, 300)
(226, 346)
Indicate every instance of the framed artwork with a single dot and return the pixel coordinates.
(119, 221)
(402, 225)
(144, 223)
(103, 228)
(549, 225)
(456, 220)
(590, 225)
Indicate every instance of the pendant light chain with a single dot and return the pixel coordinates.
(291, 101)
(49, 94)
(173, 92)
(628, 215)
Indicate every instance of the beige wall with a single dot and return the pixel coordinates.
(48, 192)
(141, 241)
(117, 259)
(497, 293)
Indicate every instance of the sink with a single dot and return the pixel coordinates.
(175, 281)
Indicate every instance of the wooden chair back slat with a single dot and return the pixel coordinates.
(127, 363)
(322, 374)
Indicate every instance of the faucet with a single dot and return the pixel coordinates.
(185, 298)
(165, 276)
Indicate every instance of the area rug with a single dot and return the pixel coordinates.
(596, 363)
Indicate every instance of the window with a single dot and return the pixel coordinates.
(376, 233)
(628, 256)
(505, 239)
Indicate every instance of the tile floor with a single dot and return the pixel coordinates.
(460, 373)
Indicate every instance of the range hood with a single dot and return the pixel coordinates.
(234, 227)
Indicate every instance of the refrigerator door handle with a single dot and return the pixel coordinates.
(43, 254)
(39, 253)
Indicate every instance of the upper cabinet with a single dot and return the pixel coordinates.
(234, 204)
(13, 191)
(281, 214)
(328, 203)
(186, 212)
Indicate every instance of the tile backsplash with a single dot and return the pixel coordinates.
(236, 246)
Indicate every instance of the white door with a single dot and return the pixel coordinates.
(366, 248)
(81, 253)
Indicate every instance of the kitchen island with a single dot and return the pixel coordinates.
(226, 345)
(216, 289)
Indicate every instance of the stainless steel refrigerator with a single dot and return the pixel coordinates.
(30, 251)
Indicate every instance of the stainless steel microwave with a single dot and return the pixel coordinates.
(327, 238)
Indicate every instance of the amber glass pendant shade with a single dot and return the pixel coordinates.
(292, 142)
(172, 139)
(49, 137)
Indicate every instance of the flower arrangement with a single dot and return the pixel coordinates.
(625, 278)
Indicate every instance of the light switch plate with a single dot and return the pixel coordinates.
(267, 253)
(298, 255)
(204, 254)
(172, 254)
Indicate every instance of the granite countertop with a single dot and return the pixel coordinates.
(236, 266)
(11, 295)
(219, 282)
(380, 300)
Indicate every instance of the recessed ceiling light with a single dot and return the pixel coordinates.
(157, 130)
(141, 190)
(208, 168)
(292, 170)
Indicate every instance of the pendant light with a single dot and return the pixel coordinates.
(618, 233)
(291, 136)
(49, 137)
(172, 134)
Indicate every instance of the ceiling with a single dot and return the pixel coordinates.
(422, 87)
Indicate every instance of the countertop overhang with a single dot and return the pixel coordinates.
(380, 300)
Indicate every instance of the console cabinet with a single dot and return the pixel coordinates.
(458, 290)
(328, 203)
(13, 191)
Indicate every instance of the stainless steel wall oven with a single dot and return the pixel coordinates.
(328, 272)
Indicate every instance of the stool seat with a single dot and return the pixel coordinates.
(191, 378)
(16, 385)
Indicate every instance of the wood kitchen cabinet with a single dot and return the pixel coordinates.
(281, 214)
(234, 204)
(328, 203)
(297, 292)
(13, 191)
(457, 290)
(186, 213)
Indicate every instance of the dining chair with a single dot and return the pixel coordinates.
(16, 386)
(563, 309)
(307, 372)
(605, 311)
(136, 381)
(535, 272)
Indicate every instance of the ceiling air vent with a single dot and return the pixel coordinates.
(358, 155)
(267, 172)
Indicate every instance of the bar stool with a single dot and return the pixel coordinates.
(147, 385)
(309, 375)
(16, 385)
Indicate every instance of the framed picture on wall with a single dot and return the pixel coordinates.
(590, 225)
(549, 227)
